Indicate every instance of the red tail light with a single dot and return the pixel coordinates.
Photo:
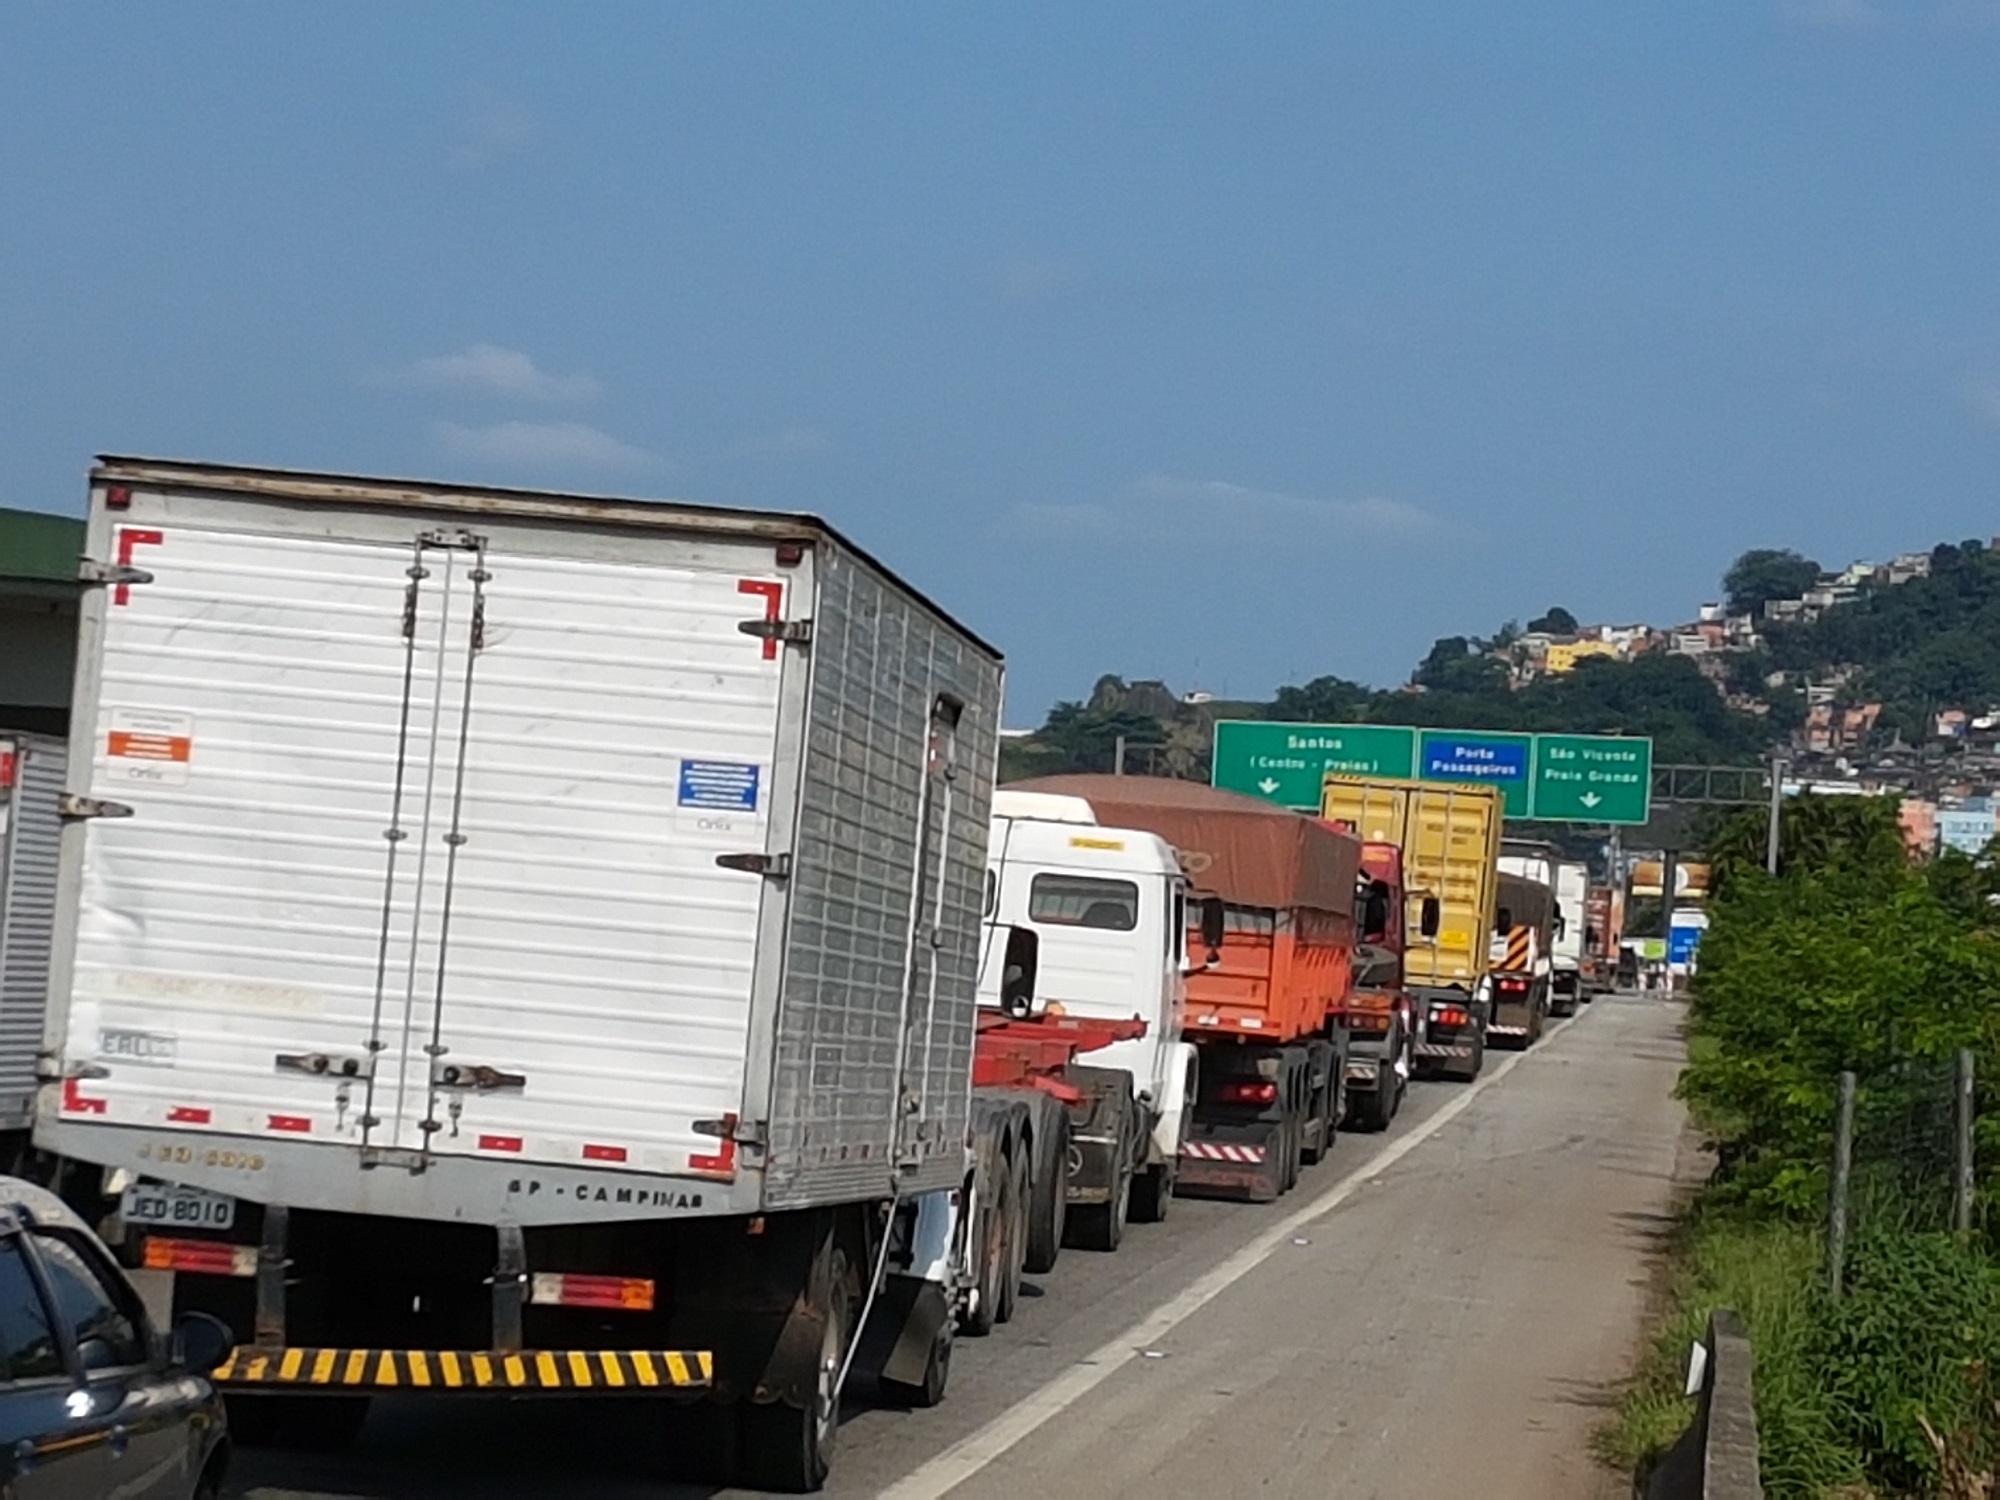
(200, 1257)
(1513, 984)
(1450, 1015)
(1249, 1091)
(1366, 1020)
(615, 1293)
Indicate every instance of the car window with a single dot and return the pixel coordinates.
(28, 1346)
(1078, 901)
(101, 1316)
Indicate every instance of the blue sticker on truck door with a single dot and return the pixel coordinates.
(719, 785)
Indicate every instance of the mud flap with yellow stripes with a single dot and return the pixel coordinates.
(632, 1372)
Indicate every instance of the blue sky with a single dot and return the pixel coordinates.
(1225, 344)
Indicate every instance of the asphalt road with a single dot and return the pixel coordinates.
(1444, 1309)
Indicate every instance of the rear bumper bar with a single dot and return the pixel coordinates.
(611, 1372)
(1230, 1161)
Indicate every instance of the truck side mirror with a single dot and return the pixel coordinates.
(1432, 918)
(1214, 920)
(1017, 978)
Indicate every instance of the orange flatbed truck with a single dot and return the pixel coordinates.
(1272, 931)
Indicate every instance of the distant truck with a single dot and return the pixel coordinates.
(1603, 929)
(1524, 928)
(32, 772)
(1271, 934)
(1449, 835)
(1086, 926)
(519, 942)
(1380, 1015)
(1568, 945)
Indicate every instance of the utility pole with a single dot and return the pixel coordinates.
(1778, 768)
(1843, 1173)
(1118, 758)
(1669, 878)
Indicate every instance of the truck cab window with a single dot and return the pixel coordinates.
(107, 1332)
(28, 1346)
(1080, 901)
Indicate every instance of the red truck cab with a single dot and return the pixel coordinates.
(1378, 1013)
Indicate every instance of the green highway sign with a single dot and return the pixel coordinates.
(1286, 763)
(1556, 778)
(1502, 760)
(1593, 778)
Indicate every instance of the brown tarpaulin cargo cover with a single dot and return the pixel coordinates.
(1245, 851)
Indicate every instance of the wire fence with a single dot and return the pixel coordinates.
(1905, 1155)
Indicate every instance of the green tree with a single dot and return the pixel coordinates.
(1558, 621)
(1767, 573)
(1324, 700)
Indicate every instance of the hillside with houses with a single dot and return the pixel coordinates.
(1877, 677)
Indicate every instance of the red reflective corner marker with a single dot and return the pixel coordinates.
(499, 1143)
(75, 1103)
(7, 764)
(773, 595)
(295, 1123)
(603, 1153)
(188, 1114)
(128, 538)
(722, 1164)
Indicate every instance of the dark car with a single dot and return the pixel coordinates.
(93, 1401)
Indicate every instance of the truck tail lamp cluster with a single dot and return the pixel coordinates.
(1513, 984)
(1366, 1020)
(606, 1293)
(200, 1257)
(1450, 1015)
(1248, 1091)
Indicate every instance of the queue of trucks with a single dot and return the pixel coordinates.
(498, 941)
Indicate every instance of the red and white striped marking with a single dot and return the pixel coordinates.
(1216, 1151)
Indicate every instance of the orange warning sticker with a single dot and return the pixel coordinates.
(146, 745)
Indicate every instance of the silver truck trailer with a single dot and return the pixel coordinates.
(521, 942)
(31, 789)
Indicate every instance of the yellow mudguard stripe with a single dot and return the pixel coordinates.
(579, 1369)
(420, 1367)
(323, 1363)
(642, 1365)
(357, 1367)
(516, 1368)
(288, 1367)
(546, 1374)
(448, 1363)
(482, 1370)
(614, 1372)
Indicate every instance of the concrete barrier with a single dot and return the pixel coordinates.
(1716, 1458)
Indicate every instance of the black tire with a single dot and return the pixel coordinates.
(1017, 1229)
(311, 1424)
(790, 1448)
(989, 1237)
(1048, 1198)
(1153, 1189)
(1378, 1105)
(1101, 1226)
(937, 1374)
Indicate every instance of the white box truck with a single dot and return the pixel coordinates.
(1566, 956)
(521, 942)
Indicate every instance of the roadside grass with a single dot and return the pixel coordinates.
(1767, 1271)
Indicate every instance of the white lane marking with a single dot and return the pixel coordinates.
(974, 1452)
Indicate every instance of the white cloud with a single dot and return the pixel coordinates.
(489, 134)
(1164, 508)
(1835, 15)
(542, 445)
(491, 370)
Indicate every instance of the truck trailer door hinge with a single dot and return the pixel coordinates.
(123, 575)
(69, 805)
(797, 632)
(770, 866)
(729, 1128)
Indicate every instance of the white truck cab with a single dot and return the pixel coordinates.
(1106, 909)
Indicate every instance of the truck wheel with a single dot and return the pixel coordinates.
(1153, 1191)
(1101, 1226)
(989, 1235)
(1048, 1194)
(1016, 1212)
(1378, 1105)
(790, 1448)
(937, 1372)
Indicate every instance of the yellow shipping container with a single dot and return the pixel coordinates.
(1450, 837)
